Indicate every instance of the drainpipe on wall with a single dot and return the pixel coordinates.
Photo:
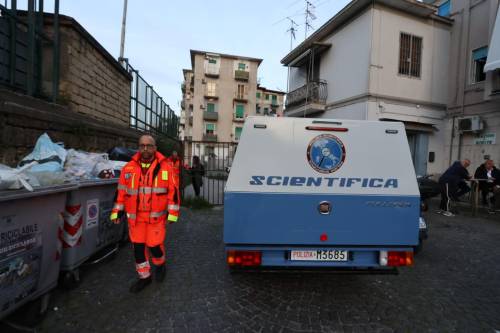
(466, 77)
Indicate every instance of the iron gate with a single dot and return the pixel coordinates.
(216, 158)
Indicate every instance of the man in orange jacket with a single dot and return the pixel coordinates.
(146, 193)
(175, 164)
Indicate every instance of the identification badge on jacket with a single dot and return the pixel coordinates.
(164, 175)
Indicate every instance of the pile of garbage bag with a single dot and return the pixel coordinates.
(51, 164)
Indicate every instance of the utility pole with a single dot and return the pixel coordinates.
(124, 24)
(309, 17)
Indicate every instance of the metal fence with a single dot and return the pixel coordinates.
(216, 158)
(148, 111)
(22, 45)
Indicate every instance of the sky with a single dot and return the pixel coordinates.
(160, 33)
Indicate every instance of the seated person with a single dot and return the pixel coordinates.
(489, 178)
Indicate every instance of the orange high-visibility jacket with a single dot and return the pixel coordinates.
(157, 190)
(175, 166)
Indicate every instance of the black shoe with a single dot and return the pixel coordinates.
(140, 284)
(160, 273)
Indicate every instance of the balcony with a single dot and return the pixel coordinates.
(214, 73)
(183, 88)
(241, 75)
(210, 137)
(191, 120)
(239, 97)
(238, 119)
(210, 115)
(183, 105)
(308, 99)
(211, 94)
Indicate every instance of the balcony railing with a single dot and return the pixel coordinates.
(210, 137)
(312, 92)
(212, 71)
(237, 118)
(210, 115)
(239, 97)
(211, 94)
(241, 75)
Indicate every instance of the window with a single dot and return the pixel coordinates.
(266, 111)
(257, 109)
(274, 99)
(212, 61)
(209, 128)
(241, 91)
(495, 79)
(242, 66)
(444, 9)
(258, 94)
(410, 55)
(237, 132)
(211, 89)
(478, 62)
(267, 97)
(211, 107)
(240, 111)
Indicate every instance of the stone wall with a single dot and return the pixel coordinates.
(92, 81)
(23, 119)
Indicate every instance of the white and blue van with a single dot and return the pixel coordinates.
(305, 193)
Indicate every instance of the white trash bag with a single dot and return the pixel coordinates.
(83, 165)
(49, 155)
(15, 179)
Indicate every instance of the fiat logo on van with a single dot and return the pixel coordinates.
(326, 153)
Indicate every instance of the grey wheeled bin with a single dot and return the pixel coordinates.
(29, 245)
(87, 227)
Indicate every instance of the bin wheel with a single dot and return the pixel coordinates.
(32, 313)
(71, 279)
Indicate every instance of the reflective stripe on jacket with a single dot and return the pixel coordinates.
(152, 192)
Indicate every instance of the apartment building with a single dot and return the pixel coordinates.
(378, 60)
(269, 102)
(218, 93)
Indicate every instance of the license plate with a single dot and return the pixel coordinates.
(320, 255)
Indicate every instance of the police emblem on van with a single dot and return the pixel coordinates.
(326, 153)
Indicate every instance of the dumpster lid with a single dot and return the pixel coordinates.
(7, 195)
(98, 182)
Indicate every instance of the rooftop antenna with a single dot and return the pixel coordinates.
(292, 31)
(309, 17)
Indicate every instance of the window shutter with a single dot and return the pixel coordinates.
(240, 110)
(210, 107)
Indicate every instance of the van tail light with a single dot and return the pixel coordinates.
(327, 129)
(244, 258)
(396, 258)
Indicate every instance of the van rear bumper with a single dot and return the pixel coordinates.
(360, 259)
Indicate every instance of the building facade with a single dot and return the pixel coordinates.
(269, 102)
(378, 60)
(472, 126)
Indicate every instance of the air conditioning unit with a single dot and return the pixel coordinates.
(202, 106)
(203, 81)
(470, 124)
